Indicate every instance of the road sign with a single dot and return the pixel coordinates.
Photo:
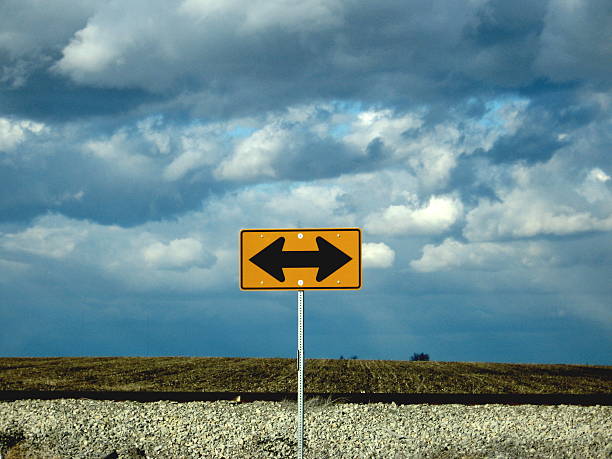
(300, 259)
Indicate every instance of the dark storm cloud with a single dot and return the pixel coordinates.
(223, 61)
(555, 112)
(575, 42)
(32, 35)
(386, 53)
(69, 173)
(355, 51)
(503, 42)
(49, 98)
(536, 140)
(466, 180)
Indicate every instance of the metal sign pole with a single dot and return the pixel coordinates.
(300, 363)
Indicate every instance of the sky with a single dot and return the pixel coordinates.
(470, 140)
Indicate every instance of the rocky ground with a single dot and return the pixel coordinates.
(105, 429)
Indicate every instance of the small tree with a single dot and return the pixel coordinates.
(421, 357)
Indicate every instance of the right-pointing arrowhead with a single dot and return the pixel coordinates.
(270, 259)
(331, 258)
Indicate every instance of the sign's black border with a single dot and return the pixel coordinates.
(299, 230)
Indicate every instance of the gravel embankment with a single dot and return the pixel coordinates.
(98, 429)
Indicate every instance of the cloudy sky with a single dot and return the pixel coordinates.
(470, 140)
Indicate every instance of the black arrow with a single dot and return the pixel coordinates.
(328, 259)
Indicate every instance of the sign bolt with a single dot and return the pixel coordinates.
(300, 282)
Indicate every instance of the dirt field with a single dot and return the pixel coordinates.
(219, 374)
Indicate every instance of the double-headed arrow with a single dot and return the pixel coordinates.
(328, 259)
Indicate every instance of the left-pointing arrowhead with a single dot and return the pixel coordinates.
(331, 259)
(270, 259)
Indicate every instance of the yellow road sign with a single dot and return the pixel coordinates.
(300, 259)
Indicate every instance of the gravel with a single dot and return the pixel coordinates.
(105, 429)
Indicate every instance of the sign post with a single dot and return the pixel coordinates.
(300, 362)
(300, 259)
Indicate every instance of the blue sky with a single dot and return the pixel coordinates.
(470, 140)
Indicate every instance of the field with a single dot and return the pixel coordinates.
(220, 374)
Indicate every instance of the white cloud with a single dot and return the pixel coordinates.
(598, 175)
(255, 156)
(526, 213)
(431, 153)
(121, 153)
(543, 199)
(53, 242)
(177, 254)
(452, 255)
(91, 51)
(310, 201)
(153, 131)
(437, 216)
(136, 258)
(595, 187)
(125, 45)
(433, 164)
(255, 15)
(384, 124)
(377, 255)
(13, 132)
(187, 161)
(200, 146)
(151, 44)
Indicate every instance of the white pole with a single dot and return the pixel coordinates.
(300, 363)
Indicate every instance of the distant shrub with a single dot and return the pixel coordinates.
(354, 357)
(421, 357)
